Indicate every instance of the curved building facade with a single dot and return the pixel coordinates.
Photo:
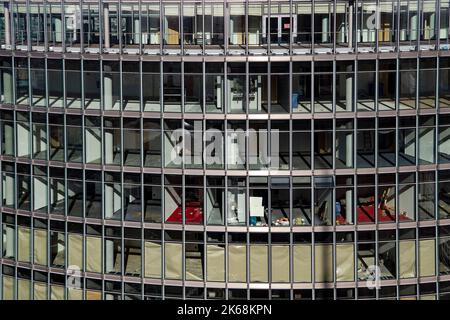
(225, 150)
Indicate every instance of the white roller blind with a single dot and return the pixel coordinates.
(173, 256)
(302, 263)
(259, 263)
(345, 262)
(323, 263)
(189, 11)
(171, 10)
(255, 10)
(40, 246)
(75, 249)
(237, 9)
(280, 263)
(427, 258)
(323, 8)
(407, 249)
(429, 6)
(152, 256)
(304, 9)
(215, 263)
(93, 254)
(237, 263)
(24, 235)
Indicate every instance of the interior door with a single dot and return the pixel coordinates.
(285, 29)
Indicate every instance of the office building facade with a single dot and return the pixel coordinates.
(225, 149)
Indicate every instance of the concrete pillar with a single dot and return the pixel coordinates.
(10, 240)
(93, 145)
(325, 29)
(7, 84)
(106, 28)
(109, 256)
(7, 24)
(349, 150)
(58, 29)
(350, 26)
(432, 25)
(349, 206)
(23, 134)
(8, 190)
(137, 32)
(9, 138)
(107, 89)
(219, 88)
(413, 27)
(349, 88)
(109, 146)
(40, 194)
(39, 140)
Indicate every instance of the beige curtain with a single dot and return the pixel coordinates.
(215, 263)
(407, 249)
(23, 289)
(75, 250)
(8, 288)
(302, 263)
(93, 295)
(174, 256)
(152, 267)
(427, 262)
(94, 254)
(259, 263)
(323, 263)
(345, 262)
(40, 291)
(24, 235)
(280, 263)
(40, 246)
(428, 297)
(237, 271)
(74, 294)
(133, 262)
(56, 292)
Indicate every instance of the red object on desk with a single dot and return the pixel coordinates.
(365, 214)
(193, 214)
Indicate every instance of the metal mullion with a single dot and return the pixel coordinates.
(205, 243)
(180, 6)
(80, 4)
(377, 25)
(333, 30)
(291, 31)
(269, 33)
(28, 20)
(313, 9)
(44, 10)
(291, 240)
(247, 257)
(161, 26)
(101, 25)
(119, 27)
(162, 234)
(121, 104)
(63, 27)
(203, 36)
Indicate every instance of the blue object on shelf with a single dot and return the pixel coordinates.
(253, 221)
(295, 100)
